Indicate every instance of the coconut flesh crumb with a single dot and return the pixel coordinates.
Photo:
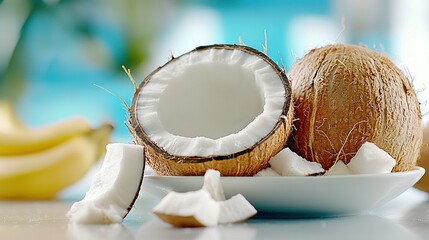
(369, 159)
(204, 207)
(114, 188)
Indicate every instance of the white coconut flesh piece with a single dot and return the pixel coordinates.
(288, 163)
(114, 188)
(236, 209)
(201, 208)
(371, 159)
(211, 105)
(339, 168)
(189, 209)
(267, 172)
(213, 185)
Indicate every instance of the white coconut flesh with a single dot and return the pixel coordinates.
(339, 168)
(114, 188)
(189, 209)
(204, 207)
(211, 102)
(369, 159)
(213, 185)
(288, 163)
(267, 172)
(236, 209)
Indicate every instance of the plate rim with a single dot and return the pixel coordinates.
(161, 185)
(416, 170)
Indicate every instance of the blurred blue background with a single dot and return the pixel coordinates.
(54, 52)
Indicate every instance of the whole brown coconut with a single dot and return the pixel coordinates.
(345, 95)
(223, 107)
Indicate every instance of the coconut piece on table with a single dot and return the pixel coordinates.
(267, 172)
(288, 163)
(371, 159)
(190, 209)
(114, 189)
(200, 208)
(213, 185)
(236, 209)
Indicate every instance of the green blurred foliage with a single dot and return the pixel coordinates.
(139, 21)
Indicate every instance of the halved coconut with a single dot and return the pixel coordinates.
(223, 107)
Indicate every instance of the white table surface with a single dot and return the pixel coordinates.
(406, 217)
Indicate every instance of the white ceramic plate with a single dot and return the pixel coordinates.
(301, 196)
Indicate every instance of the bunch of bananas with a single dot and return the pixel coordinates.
(38, 163)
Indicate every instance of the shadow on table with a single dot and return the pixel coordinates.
(155, 229)
(418, 218)
(98, 232)
(350, 227)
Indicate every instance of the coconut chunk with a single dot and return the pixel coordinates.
(236, 209)
(371, 159)
(213, 185)
(267, 172)
(288, 163)
(200, 208)
(339, 168)
(114, 188)
(190, 209)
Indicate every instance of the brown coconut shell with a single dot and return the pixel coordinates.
(423, 183)
(345, 95)
(246, 162)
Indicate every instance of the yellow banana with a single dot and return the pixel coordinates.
(32, 140)
(102, 137)
(43, 174)
(9, 121)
